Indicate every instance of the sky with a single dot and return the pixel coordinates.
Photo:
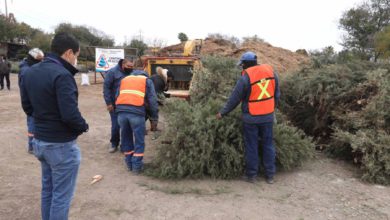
(297, 24)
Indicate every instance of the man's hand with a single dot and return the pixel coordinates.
(219, 116)
(153, 125)
(110, 108)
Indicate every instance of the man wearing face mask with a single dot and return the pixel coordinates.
(112, 81)
(49, 94)
(258, 90)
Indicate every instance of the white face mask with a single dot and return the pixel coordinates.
(75, 63)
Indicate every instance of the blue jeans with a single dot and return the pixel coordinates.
(60, 164)
(252, 133)
(30, 131)
(132, 139)
(114, 129)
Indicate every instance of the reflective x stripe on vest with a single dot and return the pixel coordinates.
(261, 99)
(263, 86)
(132, 91)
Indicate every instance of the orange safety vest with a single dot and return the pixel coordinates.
(132, 91)
(261, 99)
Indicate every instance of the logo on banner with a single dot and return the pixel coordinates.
(102, 62)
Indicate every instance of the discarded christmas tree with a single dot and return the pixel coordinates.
(201, 146)
(345, 108)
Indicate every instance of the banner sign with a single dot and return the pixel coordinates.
(107, 58)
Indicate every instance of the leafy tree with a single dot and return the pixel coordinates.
(23, 32)
(324, 57)
(302, 52)
(182, 37)
(41, 40)
(382, 42)
(7, 30)
(87, 36)
(362, 23)
(140, 45)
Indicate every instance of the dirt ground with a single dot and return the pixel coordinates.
(322, 189)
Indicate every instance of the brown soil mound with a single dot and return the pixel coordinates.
(281, 59)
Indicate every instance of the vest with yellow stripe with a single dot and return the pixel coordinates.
(262, 81)
(132, 91)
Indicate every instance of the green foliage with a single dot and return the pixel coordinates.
(252, 39)
(140, 45)
(382, 42)
(14, 67)
(15, 32)
(40, 40)
(182, 37)
(362, 23)
(226, 40)
(345, 107)
(199, 145)
(293, 148)
(324, 57)
(311, 95)
(302, 52)
(371, 150)
(23, 33)
(8, 30)
(88, 36)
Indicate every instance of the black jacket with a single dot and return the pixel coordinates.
(5, 67)
(159, 84)
(49, 93)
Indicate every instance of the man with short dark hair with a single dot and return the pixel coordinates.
(258, 90)
(49, 94)
(112, 80)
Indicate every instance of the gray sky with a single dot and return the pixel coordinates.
(307, 24)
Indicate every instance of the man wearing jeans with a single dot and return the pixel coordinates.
(258, 89)
(135, 91)
(49, 94)
(110, 87)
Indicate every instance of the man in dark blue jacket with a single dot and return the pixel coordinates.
(258, 90)
(34, 56)
(49, 94)
(111, 84)
(135, 91)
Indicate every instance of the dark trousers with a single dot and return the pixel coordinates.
(132, 139)
(6, 76)
(114, 129)
(252, 134)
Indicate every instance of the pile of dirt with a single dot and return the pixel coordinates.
(281, 59)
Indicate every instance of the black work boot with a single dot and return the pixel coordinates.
(269, 180)
(249, 179)
(113, 149)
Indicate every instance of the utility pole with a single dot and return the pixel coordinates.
(6, 9)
